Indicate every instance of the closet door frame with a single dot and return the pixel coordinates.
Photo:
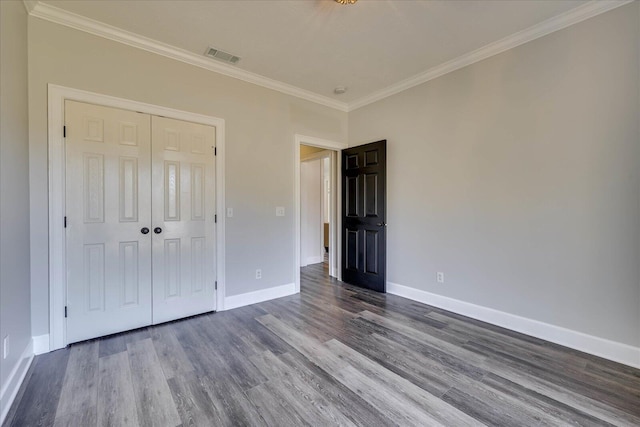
(57, 95)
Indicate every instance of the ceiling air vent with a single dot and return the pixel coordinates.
(220, 55)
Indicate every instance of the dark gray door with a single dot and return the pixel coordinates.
(363, 215)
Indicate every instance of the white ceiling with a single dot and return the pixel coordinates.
(317, 45)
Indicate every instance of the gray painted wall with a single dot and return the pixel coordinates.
(519, 178)
(311, 225)
(15, 303)
(260, 128)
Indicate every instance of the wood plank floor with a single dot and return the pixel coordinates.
(332, 355)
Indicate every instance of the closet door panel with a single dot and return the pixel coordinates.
(183, 219)
(108, 203)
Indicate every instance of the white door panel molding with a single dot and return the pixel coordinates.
(111, 196)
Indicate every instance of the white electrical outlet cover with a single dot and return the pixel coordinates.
(280, 211)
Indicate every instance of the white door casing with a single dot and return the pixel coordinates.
(57, 246)
(108, 182)
(184, 217)
(335, 222)
(141, 219)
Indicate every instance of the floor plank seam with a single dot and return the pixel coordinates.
(333, 354)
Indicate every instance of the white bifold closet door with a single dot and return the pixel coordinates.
(140, 195)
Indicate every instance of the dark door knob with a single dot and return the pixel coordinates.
(381, 224)
(157, 230)
(144, 230)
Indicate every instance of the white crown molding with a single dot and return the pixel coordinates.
(78, 22)
(30, 5)
(564, 20)
(585, 11)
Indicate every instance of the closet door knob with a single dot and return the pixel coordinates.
(144, 230)
(157, 230)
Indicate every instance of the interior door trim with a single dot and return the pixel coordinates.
(57, 95)
(335, 222)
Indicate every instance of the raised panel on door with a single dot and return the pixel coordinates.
(108, 183)
(183, 216)
(364, 221)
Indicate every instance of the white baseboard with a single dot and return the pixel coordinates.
(14, 381)
(249, 298)
(612, 350)
(41, 344)
(314, 260)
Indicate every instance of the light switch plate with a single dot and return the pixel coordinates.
(229, 212)
(280, 211)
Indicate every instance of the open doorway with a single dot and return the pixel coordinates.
(315, 205)
(317, 195)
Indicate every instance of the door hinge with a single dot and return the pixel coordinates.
(215, 151)
(65, 222)
(216, 285)
(64, 131)
(65, 311)
(215, 218)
